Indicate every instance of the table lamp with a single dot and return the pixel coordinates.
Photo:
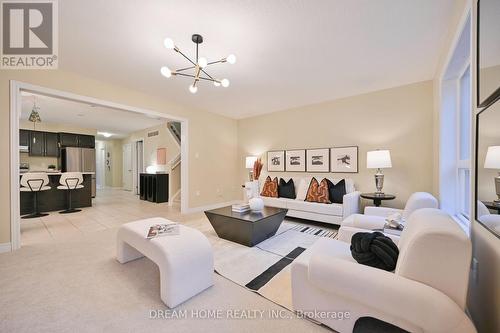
(378, 159)
(249, 163)
(492, 161)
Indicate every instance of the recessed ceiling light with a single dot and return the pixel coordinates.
(105, 134)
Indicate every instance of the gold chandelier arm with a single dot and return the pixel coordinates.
(192, 76)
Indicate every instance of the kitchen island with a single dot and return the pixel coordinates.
(55, 199)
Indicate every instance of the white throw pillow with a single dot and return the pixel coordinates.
(302, 188)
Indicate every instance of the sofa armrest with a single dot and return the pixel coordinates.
(350, 204)
(346, 232)
(395, 298)
(367, 222)
(381, 211)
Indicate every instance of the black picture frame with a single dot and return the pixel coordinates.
(271, 168)
(495, 96)
(476, 165)
(357, 159)
(286, 160)
(327, 167)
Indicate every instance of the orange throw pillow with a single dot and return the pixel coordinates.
(318, 192)
(270, 188)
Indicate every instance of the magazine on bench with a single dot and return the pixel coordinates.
(163, 230)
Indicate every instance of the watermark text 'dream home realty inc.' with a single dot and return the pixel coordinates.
(29, 36)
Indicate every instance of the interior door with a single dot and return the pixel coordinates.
(127, 167)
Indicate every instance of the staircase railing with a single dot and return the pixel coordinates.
(175, 130)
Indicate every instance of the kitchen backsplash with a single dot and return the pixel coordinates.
(37, 163)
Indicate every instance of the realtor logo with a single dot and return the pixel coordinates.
(29, 34)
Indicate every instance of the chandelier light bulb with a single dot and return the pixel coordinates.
(169, 43)
(193, 89)
(231, 59)
(217, 83)
(225, 83)
(165, 71)
(203, 62)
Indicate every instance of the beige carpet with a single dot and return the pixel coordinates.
(76, 285)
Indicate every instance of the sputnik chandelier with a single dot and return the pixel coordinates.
(199, 65)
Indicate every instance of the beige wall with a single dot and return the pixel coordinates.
(212, 138)
(39, 163)
(398, 119)
(163, 140)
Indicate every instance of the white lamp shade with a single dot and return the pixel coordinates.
(378, 159)
(492, 160)
(250, 161)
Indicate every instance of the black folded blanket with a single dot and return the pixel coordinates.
(374, 249)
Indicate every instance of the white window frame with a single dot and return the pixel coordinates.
(451, 193)
(463, 165)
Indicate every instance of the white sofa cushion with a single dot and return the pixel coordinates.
(302, 187)
(320, 208)
(276, 202)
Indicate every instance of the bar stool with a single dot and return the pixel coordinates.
(34, 183)
(70, 181)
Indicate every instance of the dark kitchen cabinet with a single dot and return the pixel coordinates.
(37, 143)
(68, 139)
(86, 141)
(51, 144)
(24, 137)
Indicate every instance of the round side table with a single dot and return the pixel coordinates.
(378, 197)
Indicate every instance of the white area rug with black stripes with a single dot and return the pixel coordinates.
(265, 268)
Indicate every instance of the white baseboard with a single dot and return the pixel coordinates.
(209, 207)
(5, 247)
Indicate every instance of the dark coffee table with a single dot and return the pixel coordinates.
(248, 228)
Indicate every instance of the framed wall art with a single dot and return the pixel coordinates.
(276, 160)
(344, 159)
(295, 160)
(318, 160)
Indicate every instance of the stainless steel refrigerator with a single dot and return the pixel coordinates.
(79, 160)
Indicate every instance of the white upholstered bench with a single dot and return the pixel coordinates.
(185, 261)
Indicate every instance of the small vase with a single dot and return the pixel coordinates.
(256, 204)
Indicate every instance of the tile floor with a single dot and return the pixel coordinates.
(110, 208)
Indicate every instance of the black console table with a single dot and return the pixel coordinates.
(153, 187)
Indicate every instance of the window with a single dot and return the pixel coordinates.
(464, 139)
(455, 130)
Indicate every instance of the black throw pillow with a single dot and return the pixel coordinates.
(374, 249)
(286, 189)
(336, 191)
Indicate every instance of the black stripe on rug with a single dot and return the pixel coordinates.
(269, 273)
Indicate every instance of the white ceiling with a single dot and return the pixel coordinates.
(289, 52)
(59, 111)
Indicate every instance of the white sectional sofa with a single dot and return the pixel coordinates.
(329, 213)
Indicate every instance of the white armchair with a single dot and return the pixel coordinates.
(375, 217)
(426, 292)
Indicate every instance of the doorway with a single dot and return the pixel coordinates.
(18, 88)
(127, 167)
(100, 165)
(138, 164)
